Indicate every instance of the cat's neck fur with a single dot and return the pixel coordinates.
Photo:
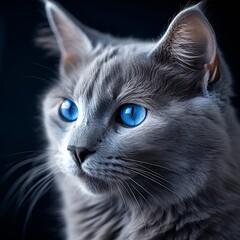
(111, 218)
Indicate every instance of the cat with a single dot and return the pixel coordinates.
(144, 140)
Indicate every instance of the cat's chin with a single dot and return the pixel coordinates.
(93, 185)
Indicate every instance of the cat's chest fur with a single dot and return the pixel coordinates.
(96, 220)
(112, 219)
(87, 218)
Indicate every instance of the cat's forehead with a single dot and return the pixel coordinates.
(107, 75)
(118, 75)
(99, 80)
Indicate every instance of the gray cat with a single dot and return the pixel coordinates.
(144, 141)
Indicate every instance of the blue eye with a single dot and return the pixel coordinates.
(69, 110)
(132, 115)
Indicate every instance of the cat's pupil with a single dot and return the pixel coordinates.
(132, 111)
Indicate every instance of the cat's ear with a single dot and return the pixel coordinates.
(73, 43)
(190, 40)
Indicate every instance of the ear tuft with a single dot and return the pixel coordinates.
(73, 44)
(190, 40)
(45, 39)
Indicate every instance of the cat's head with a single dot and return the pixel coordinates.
(134, 117)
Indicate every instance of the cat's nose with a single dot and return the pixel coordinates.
(79, 153)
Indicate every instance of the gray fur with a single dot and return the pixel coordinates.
(175, 176)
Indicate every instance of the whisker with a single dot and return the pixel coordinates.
(34, 160)
(36, 151)
(19, 165)
(124, 202)
(151, 173)
(148, 192)
(41, 192)
(153, 211)
(153, 180)
(152, 164)
(121, 183)
(21, 153)
(34, 172)
(140, 209)
(42, 180)
(43, 66)
(9, 199)
(37, 78)
(141, 195)
(111, 191)
(16, 167)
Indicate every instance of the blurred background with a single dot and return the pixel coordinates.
(25, 72)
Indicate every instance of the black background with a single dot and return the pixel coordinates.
(22, 80)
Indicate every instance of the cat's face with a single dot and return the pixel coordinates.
(167, 148)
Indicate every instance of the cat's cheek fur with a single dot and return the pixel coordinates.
(177, 151)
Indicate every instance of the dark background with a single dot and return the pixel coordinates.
(23, 79)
